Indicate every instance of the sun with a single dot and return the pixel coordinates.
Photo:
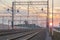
(50, 24)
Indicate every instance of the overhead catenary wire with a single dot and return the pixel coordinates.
(5, 3)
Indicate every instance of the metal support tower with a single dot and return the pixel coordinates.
(48, 15)
(45, 3)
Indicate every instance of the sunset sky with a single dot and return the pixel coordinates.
(56, 2)
(4, 4)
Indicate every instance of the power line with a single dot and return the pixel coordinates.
(5, 4)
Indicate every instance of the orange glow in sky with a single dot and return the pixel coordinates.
(50, 16)
(34, 11)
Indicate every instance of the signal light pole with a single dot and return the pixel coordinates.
(48, 15)
(12, 22)
(52, 15)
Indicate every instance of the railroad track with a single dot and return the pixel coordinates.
(24, 35)
(9, 32)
